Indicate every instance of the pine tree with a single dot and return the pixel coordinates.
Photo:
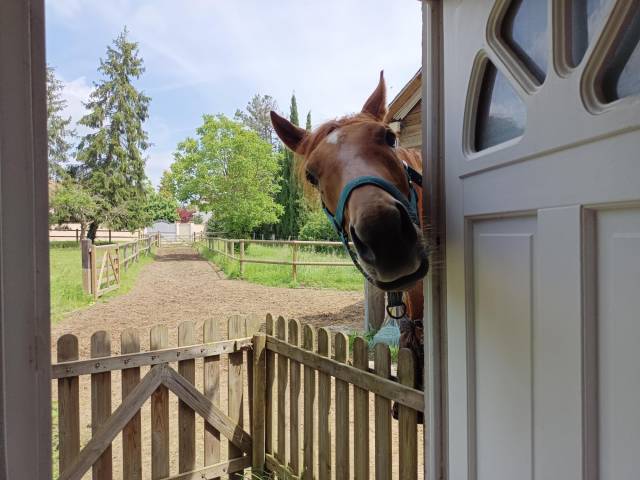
(112, 154)
(257, 117)
(290, 195)
(308, 125)
(60, 135)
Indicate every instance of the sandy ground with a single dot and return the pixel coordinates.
(181, 286)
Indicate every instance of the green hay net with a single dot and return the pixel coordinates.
(389, 333)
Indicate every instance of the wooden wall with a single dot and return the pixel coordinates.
(411, 128)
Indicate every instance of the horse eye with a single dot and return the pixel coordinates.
(311, 178)
(390, 138)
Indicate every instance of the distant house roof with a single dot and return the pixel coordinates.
(407, 98)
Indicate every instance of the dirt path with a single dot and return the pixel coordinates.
(181, 285)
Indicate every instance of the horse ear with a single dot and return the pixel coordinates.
(290, 135)
(376, 104)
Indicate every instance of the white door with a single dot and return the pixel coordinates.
(542, 148)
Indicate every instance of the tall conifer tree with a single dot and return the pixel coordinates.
(59, 131)
(112, 155)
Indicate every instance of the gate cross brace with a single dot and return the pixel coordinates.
(158, 375)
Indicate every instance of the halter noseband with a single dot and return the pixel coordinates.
(410, 204)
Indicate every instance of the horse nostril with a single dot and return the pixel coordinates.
(363, 250)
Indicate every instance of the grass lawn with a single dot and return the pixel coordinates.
(339, 278)
(66, 279)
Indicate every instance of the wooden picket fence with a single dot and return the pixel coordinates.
(302, 399)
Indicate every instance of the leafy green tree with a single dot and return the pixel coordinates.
(162, 208)
(229, 171)
(70, 202)
(112, 155)
(59, 133)
(317, 227)
(257, 117)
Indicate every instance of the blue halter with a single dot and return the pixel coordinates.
(411, 204)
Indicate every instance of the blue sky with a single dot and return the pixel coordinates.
(213, 56)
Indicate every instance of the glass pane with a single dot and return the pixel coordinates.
(501, 113)
(622, 70)
(525, 30)
(587, 18)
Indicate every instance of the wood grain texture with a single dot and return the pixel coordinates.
(407, 420)
(211, 385)
(101, 403)
(259, 403)
(252, 325)
(159, 339)
(214, 471)
(361, 378)
(132, 432)
(141, 359)
(295, 388)
(186, 416)
(361, 414)
(68, 405)
(237, 436)
(383, 452)
(272, 392)
(324, 406)
(283, 377)
(343, 446)
(235, 385)
(309, 406)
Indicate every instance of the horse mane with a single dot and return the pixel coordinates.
(311, 142)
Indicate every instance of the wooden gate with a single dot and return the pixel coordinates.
(105, 269)
(160, 379)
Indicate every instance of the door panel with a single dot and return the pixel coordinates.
(503, 283)
(618, 343)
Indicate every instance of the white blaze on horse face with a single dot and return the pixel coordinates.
(334, 137)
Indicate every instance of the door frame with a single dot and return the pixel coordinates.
(435, 336)
(25, 356)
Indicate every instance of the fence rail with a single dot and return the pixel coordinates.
(101, 234)
(227, 248)
(101, 264)
(309, 411)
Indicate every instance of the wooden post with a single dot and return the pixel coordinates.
(132, 433)
(272, 393)
(85, 252)
(101, 402)
(407, 419)
(309, 406)
(258, 430)
(294, 401)
(324, 406)
(77, 236)
(235, 385)
(241, 258)
(94, 273)
(68, 405)
(294, 267)
(186, 416)
(374, 310)
(109, 235)
(342, 411)
(383, 450)
(283, 376)
(361, 415)
(159, 339)
(211, 383)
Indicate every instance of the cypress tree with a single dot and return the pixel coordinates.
(112, 154)
(60, 134)
(308, 126)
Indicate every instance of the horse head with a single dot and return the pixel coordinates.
(361, 175)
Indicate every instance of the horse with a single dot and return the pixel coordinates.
(364, 180)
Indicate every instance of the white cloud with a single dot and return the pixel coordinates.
(75, 92)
